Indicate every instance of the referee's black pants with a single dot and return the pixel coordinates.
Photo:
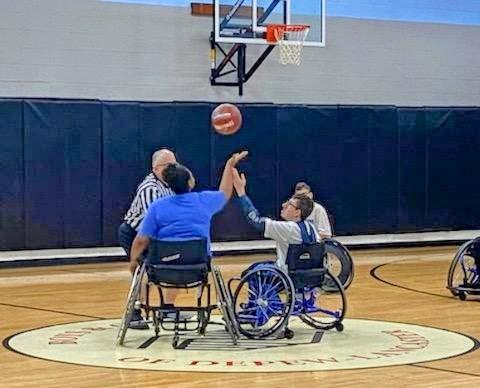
(126, 235)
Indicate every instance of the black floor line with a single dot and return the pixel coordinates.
(446, 370)
(50, 311)
(373, 273)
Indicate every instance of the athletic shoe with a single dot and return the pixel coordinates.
(137, 322)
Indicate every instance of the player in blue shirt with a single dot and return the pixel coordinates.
(186, 215)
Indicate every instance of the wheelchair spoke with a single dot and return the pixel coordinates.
(262, 302)
(250, 291)
(274, 288)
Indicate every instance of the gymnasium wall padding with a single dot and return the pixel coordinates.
(308, 150)
(123, 167)
(44, 174)
(62, 174)
(412, 148)
(70, 168)
(82, 126)
(12, 219)
(260, 168)
(452, 159)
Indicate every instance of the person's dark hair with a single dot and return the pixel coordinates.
(304, 204)
(301, 186)
(177, 177)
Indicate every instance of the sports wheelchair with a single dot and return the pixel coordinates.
(267, 296)
(464, 273)
(171, 264)
(260, 306)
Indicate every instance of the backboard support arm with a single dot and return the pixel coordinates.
(240, 51)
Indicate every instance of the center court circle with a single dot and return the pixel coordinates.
(363, 344)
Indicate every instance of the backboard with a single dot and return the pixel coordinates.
(245, 21)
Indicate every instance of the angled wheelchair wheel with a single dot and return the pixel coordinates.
(225, 304)
(133, 295)
(263, 302)
(339, 262)
(462, 273)
(324, 307)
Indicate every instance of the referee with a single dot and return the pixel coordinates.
(149, 190)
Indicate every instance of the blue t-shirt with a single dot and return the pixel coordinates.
(183, 216)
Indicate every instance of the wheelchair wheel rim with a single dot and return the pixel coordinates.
(263, 302)
(324, 307)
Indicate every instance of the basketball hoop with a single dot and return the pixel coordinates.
(289, 39)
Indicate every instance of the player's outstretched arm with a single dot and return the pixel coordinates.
(248, 209)
(226, 184)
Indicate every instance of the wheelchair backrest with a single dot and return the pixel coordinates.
(178, 263)
(305, 256)
(174, 253)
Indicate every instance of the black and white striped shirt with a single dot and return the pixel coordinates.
(148, 191)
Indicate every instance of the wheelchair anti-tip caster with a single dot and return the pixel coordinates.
(288, 334)
(175, 342)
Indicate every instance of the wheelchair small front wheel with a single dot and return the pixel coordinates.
(288, 334)
(175, 342)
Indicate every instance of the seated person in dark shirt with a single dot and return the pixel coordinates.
(186, 215)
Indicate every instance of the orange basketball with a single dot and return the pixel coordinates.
(226, 119)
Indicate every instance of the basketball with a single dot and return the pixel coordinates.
(226, 119)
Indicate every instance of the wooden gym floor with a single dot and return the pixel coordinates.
(403, 285)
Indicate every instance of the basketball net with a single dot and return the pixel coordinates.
(289, 39)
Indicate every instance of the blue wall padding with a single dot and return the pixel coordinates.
(308, 151)
(260, 168)
(12, 220)
(382, 169)
(452, 186)
(70, 168)
(44, 174)
(82, 126)
(157, 128)
(412, 174)
(123, 168)
(353, 168)
(191, 141)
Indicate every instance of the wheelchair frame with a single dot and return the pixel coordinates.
(296, 304)
(334, 250)
(468, 274)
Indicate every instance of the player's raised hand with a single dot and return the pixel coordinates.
(237, 157)
(239, 182)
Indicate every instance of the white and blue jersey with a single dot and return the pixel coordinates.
(283, 232)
